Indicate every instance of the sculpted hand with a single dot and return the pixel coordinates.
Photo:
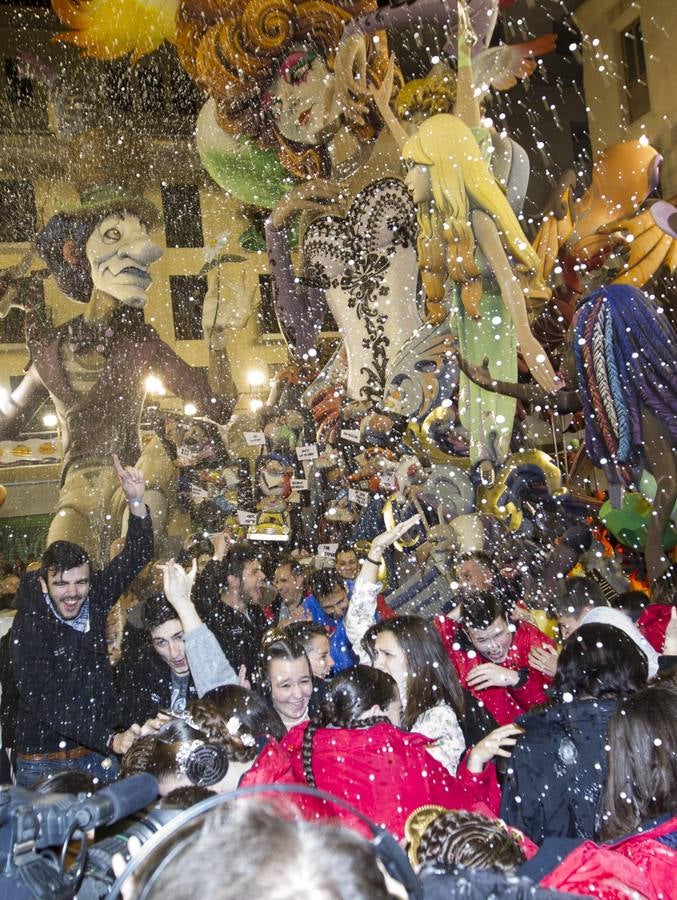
(499, 742)
(382, 94)
(539, 365)
(317, 196)
(492, 675)
(350, 80)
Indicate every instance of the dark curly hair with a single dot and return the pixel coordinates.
(349, 696)
(460, 838)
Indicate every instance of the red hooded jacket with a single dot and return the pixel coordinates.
(639, 866)
(504, 704)
(384, 772)
(653, 624)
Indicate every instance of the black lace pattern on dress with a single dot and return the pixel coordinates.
(354, 254)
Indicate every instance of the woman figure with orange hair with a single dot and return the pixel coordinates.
(280, 73)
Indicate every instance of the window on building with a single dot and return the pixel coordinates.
(183, 220)
(268, 317)
(19, 87)
(17, 212)
(150, 88)
(12, 327)
(188, 294)
(634, 63)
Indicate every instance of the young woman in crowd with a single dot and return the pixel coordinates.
(315, 642)
(639, 820)
(557, 770)
(285, 678)
(355, 750)
(410, 649)
(208, 746)
(455, 837)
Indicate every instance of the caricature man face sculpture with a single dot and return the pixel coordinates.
(120, 252)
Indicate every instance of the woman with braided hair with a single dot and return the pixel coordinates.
(200, 747)
(455, 837)
(355, 750)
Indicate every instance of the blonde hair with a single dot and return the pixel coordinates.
(459, 175)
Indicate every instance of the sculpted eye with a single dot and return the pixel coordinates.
(111, 235)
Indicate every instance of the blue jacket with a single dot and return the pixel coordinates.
(341, 651)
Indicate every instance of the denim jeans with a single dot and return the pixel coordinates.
(103, 768)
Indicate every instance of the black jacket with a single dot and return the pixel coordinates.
(239, 635)
(64, 679)
(459, 883)
(558, 770)
(144, 682)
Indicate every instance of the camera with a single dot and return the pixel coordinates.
(38, 831)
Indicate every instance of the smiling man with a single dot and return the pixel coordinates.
(491, 656)
(94, 367)
(67, 708)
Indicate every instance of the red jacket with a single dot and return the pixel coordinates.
(504, 704)
(384, 772)
(639, 867)
(653, 624)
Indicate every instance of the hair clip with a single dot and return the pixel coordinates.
(233, 725)
(184, 752)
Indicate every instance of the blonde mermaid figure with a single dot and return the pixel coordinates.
(459, 197)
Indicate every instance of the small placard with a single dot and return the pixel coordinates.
(255, 438)
(351, 434)
(387, 480)
(299, 484)
(306, 451)
(186, 455)
(199, 492)
(327, 550)
(359, 497)
(246, 518)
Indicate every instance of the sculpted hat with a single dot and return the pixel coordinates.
(77, 222)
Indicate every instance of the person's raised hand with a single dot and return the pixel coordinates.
(242, 679)
(152, 726)
(123, 740)
(177, 584)
(131, 481)
(499, 742)
(119, 864)
(388, 538)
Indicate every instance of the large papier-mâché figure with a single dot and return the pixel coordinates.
(483, 238)
(94, 367)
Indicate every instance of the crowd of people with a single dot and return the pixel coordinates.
(528, 748)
